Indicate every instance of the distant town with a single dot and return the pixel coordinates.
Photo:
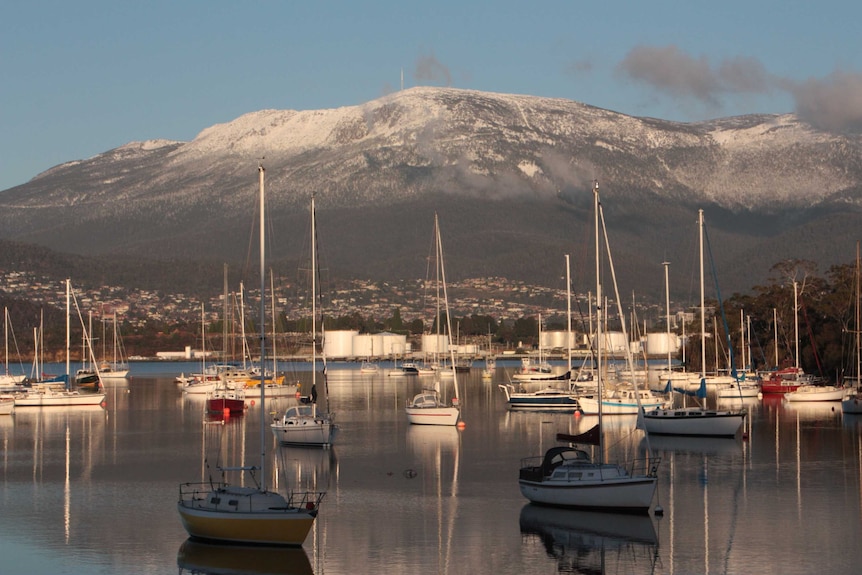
(413, 302)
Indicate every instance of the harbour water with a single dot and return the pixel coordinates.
(94, 490)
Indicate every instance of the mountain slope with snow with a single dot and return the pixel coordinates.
(514, 172)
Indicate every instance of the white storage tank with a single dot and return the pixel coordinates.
(368, 345)
(662, 343)
(467, 349)
(615, 342)
(393, 344)
(554, 339)
(434, 343)
(339, 343)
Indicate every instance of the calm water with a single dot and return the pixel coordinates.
(94, 490)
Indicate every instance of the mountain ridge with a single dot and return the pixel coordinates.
(510, 175)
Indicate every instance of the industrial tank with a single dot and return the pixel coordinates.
(433, 343)
(339, 344)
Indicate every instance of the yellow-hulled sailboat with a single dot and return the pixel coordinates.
(220, 512)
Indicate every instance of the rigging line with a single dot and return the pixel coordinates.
(720, 305)
(811, 339)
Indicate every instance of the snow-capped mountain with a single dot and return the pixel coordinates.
(510, 176)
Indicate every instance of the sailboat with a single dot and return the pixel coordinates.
(249, 514)
(427, 407)
(811, 391)
(539, 370)
(552, 397)
(780, 381)
(7, 379)
(306, 424)
(58, 392)
(567, 476)
(490, 360)
(368, 365)
(695, 421)
(852, 402)
(116, 367)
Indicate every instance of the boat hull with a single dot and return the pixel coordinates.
(60, 399)
(778, 387)
(433, 415)
(693, 422)
(590, 406)
(628, 494)
(7, 406)
(735, 391)
(282, 527)
(825, 393)
(305, 432)
(550, 399)
(217, 405)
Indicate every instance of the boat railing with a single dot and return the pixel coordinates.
(647, 466)
(201, 495)
(308, 500)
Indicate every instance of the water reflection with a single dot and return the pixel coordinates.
(404, 499)
(590, 542)
(701, 445)
(198, 558)
(307, 468)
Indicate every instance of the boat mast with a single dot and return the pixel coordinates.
(796, 323)
(313, 302)
(568, 320)
(750, 364)
(274, 356)
(599, 296)
(667, 308)
(68, 329)
(263, 477)
(224, 320)
(742, 338)
(6, 335)
(775, 334)
(702, 300)
(858, 325)
(446, 303)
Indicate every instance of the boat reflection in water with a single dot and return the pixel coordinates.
(696, 445)
(580, 541)
(195, 557)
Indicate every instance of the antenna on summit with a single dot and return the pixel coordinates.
(402, 78)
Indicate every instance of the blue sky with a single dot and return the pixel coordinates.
(80, 77)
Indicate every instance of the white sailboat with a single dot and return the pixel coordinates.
(249, 514)
(59, 392)
(567, 476)
(539, 370)
(490, 360)
(116, 367)
(553, 397)
(307, 424)
(852, 402)
(696, 421)
(427, 407)
(368, 365)
(812, 391)
(8, 379)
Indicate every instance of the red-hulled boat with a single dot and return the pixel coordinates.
(782, 381)
(226, 399)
